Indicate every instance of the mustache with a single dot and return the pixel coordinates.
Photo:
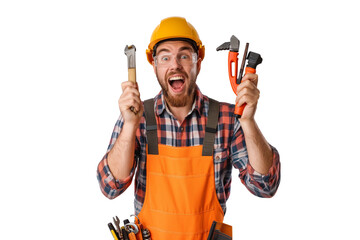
(176, 72)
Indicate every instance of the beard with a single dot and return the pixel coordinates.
(178, 100)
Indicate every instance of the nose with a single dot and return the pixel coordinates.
(175, 64)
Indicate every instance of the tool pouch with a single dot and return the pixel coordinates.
(220, 231)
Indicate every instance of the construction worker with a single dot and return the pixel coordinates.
(181, 145)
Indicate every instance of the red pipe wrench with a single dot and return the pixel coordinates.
(254, 59)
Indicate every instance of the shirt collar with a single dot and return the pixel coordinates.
(197, 105)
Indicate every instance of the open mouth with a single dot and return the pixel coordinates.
(177, 83)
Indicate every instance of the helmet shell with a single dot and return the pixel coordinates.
(174, 27)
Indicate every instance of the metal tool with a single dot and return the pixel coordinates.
(130, 227)
(139, 225)
(124, 233)
(118, 228)
(253, 60)
(146, 234)
(113, 232)
(130, 53)
(238, 81)
(233, 47)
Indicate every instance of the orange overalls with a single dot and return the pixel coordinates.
(180, 199)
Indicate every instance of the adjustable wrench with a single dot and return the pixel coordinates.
(130, 53)
(118, 228)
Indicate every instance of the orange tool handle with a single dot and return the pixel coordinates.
(139, 234)
(239, 110)
(132, 236)
(233, 58)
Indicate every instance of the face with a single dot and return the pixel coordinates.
(176, 78)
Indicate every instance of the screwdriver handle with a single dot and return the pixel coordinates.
(239, 110)
(139, 234)
(132, 236)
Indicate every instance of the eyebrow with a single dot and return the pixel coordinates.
(181, 49)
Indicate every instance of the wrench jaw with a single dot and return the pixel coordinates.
(130, 53)
(117, 225)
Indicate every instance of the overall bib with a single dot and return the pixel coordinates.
(180, 199)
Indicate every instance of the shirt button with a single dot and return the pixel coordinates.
(182, 129)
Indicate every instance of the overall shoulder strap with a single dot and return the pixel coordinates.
(151, 127)
(210, 129)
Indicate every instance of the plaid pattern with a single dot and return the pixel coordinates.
(229, 150)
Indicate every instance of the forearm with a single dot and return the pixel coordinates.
(259, 151)
(121, 156)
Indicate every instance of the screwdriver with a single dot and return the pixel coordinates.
(113, 232)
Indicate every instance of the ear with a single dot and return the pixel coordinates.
(154, 67)
(198, 65)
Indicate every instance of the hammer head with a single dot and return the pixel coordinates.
(130, 53)
(233, 45)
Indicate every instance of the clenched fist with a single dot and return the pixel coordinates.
(130, 104)
(247, 92)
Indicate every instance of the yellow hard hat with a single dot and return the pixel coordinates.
(174, 28)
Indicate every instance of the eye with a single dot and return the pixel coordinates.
(165, 58)
(184, 56)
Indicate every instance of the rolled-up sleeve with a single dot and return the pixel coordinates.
(258, 184)
(110, 186)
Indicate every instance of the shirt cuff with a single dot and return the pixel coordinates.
(273, 172)
(120, 184)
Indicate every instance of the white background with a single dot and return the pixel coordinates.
(61, 65)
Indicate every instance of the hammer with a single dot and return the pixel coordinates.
(130, 53)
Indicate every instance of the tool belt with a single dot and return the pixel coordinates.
(135, 230)
(129, 231)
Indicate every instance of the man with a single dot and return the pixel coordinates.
(182, 144)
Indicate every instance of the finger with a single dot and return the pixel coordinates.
(253, 77)
(127, 84)
(246, 85)
(129, 101)
(248, 99)
(140, 109)
(136, 108)
(131, 91)
(251, 95)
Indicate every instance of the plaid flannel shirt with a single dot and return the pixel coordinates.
(229, 150)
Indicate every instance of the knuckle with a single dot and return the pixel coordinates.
(246, 91)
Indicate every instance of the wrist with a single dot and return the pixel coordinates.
(130, 126)
(128, 131)
(247, 122)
